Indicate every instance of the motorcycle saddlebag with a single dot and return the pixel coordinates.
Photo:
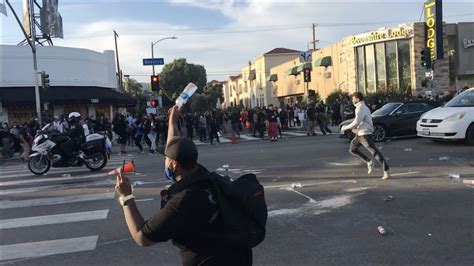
(93, 146)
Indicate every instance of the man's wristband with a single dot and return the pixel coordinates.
(123, 200)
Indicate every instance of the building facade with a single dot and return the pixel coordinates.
(385, 60)
(80, 80)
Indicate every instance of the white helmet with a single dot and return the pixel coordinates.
(74, 117)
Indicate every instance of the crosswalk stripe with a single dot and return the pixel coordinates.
(224, 140)
(49, 179)
(53, 219)
(46, 248)
(56, 171)
(294, 133)
(248, 137)
(64, 172)
(6, 204)
(26, 190)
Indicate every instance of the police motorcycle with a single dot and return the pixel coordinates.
(45, 152)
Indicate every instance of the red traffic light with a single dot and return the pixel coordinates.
(154, 103)
(154, 79)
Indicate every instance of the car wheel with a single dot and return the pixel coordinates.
(380, 133)
(470, 135)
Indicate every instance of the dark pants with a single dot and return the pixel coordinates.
(368, 143)
(138, 142)
(190, 132)
(213, 134)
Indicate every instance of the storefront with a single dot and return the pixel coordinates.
(387, 60)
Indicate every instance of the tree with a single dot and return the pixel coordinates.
(177, 74)
(213, 91)
(135, 90)
(199, 103)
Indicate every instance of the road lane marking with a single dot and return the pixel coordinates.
(314, 184)
(248, 137)
(46, 248)
(6, 204)
(407, 173)
(26, 190)
(142, 200)
(53, 219)
(293, 133)
(55, 172)
(49, 179)
(344, 164)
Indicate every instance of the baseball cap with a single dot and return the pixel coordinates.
(181, 150)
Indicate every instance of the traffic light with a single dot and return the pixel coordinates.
(44, 80)
(426, 58)
(307, 75)
(154, 103)
(155, 83)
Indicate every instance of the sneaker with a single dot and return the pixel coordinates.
(370, 167)
(142, 152)
(386, 175)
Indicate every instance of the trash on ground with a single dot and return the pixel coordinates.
(137, 183)
(443, 158)
(456, 176)
(296, 185)
(468, 181)
(380, 148)
(66, 175)
(429, 234)
(381, 230)
(408, 149)
(388, 198)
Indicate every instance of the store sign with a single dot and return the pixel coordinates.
(434, 28)
(468, 43)
(382, 35)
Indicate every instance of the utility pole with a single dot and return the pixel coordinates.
(119, 73)
(314, 36)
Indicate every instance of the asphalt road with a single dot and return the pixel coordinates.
(331, 219)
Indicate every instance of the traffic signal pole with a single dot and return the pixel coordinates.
(152, 56)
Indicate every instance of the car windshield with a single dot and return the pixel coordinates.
(465, 99)
(386, 109)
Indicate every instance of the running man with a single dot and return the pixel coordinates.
(363, 129)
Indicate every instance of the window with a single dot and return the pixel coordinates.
(360, 69)
(381, 70)
(370, 68)
(391, 59)
(404, 66)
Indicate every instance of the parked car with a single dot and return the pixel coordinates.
(454, 121)
(393, 120)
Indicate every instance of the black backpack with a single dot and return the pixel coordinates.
(242, 207)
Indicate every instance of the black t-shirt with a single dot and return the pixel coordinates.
(311, 113)
(190, 217)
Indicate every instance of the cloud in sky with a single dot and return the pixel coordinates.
(224, 35)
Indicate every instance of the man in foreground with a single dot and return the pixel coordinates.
(189, 214)
(363, 129)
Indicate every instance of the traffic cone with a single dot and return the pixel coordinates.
(234, 139)
(127, 168)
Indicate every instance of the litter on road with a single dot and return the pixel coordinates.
(443, 158)
(455, 176)
(388, 198)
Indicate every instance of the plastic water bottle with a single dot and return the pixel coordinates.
(186, 94)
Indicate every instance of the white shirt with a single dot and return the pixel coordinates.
(58, 125)
(86, 129)
(363, 121)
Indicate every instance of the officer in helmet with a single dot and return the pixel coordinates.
(75, 134)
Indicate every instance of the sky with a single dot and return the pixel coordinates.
(221, 35)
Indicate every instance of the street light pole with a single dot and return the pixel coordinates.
(153, 44)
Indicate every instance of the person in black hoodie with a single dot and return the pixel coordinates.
(189, 211)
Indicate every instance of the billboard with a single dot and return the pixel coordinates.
(434, 28)
(51, 20)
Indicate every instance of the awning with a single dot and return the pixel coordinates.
(293, 71)
(252, 75)
(307, 65)
(300, 68)
(65, 95)
(323, 62)
(272, 77)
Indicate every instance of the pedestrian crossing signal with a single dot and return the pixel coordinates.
(155, 83)
(154, 103)
(44, 80)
